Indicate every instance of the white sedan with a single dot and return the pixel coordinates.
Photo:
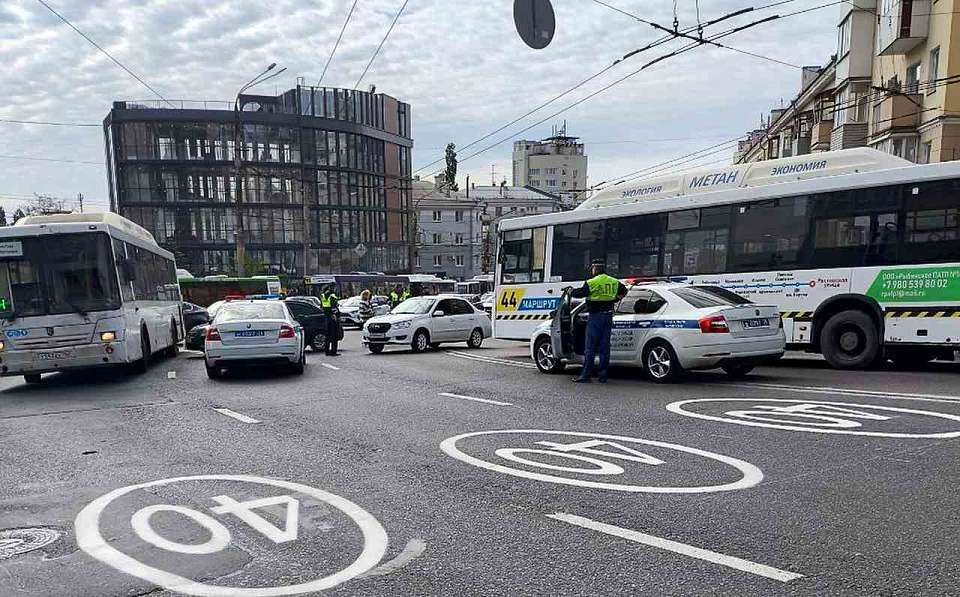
(253, 332)
(668, 328)
(428, 321)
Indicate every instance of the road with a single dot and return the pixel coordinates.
(347, 479)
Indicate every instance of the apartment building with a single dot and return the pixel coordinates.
(556, 165)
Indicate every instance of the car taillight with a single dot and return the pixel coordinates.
(286, 331)
(213, 333)
(716, 324)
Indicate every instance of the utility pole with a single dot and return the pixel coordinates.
(80, 201)
(240, 255)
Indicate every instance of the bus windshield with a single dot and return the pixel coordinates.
(57, 274)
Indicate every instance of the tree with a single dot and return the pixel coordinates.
(450, 174)
(3, 216)
(18, 215)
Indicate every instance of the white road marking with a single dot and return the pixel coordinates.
(750, 475)
(91, 541)
(329, 366)
(680, 548)
(850, 392)
(236, 415)
(767, 417)
(484, 400)
(413, 550)
(493, 360)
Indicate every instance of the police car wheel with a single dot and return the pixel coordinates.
(660, 362)
(318, 342)
(543, 351)
(420, 341)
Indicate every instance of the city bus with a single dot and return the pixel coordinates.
(481, 284)
(84, 290)
(347, 285)
(859, 249)
(210, 289)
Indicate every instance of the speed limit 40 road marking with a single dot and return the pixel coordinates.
(91, 540)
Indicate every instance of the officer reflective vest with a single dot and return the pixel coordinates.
(394, 297)
(327, 300)
(404, 295)
(603, 288)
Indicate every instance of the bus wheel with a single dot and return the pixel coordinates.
(32, 378)
(172, 350)
(849, 340)
(143, 364)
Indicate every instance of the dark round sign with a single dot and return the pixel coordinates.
(535, 22)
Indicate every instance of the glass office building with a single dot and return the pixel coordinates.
(323, 184)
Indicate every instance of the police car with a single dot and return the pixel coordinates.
(668, 328)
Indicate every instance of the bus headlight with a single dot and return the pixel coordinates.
(2, 345)
(108, 336)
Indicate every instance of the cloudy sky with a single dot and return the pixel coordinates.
(460, 64)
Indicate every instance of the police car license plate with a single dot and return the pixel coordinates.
(248, 333)
(378, 336)
(756, 323)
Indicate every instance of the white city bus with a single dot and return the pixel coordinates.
(859, 249)
(84, 290)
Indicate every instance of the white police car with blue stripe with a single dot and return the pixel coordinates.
(668, 328)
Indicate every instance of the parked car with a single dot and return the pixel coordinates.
(197, 333)
(350, 309)
(254, 332)
(313, 319)
(307, 299)
(428, 321)
(194, 315)
(667, 329)
(486, 300)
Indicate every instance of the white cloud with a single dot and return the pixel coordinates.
(460, 64)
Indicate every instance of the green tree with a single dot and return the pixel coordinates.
(253, 267)
(18, 215)
(450, 174)
(3, 216)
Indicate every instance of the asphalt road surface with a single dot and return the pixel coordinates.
(467, 472)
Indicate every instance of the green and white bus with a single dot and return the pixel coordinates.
(858, 248)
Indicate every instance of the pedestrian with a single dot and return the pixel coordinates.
(602, 293)
(365, 310)
(395, 295)
(330, 302)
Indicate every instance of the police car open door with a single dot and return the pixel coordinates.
(561, 330)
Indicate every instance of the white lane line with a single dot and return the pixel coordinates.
(680, 548)
(236, 415)
(484, 400)
(413, 550)
(329, 366)
(851, 392)
(493, 360)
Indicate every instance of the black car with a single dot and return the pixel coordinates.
(196, 336)
(194, 315)
(314, 321)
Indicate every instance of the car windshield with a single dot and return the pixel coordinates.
(350, 302)
(54, 274)
(487, 296)
(257, 310)
(709, 296)
(414, 306)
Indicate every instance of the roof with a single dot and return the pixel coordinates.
(751, 174)
(104, 217)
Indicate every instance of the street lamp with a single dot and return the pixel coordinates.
(240, 233)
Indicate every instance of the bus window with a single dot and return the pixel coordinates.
(700, 250)
(522, 255)
(770, 234)
(574, 247)
(633, 246)
(850, 229)
(932, 225)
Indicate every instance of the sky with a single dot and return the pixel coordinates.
(460, 64)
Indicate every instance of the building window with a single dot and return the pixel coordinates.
(535, 183)
(551, 171)
(913, 78)
(926, 151)
(418, 260)
(843, 43)
(437, 216)
(533, 171)
(551, 182)
(563, 184)
(437, 260)
(459, 260)
(437, 239)
(934, 68)
(458, 216)
(458, 239)
(499, 211)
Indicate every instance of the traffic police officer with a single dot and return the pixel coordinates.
(602, 293)
(396, 296)
(329, 301)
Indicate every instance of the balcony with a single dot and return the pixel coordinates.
(820, 134)
(905, 28)
(897, 112)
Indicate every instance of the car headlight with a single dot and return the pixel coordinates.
(402, 325)
(2, 345)
(108, 336)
